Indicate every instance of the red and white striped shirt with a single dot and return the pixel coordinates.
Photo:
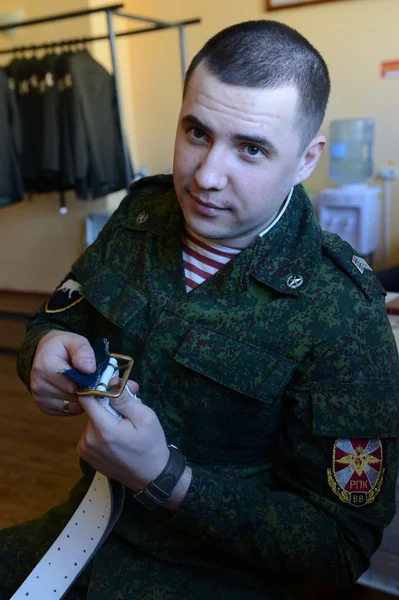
(202, 258)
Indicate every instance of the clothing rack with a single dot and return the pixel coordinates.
(110, 11)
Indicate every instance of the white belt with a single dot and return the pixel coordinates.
(84, 533)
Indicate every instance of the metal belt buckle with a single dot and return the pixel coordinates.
(114, 391)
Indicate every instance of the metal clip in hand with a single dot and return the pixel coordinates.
(104, 391)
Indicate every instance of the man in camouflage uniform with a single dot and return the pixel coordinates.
(277, 377)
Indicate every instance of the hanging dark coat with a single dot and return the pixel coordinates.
(11, 186)
(97, 144)
(70, 126)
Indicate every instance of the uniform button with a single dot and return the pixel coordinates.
(142, 218)
(294, 281)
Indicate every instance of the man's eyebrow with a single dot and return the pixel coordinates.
(191, 119)
(256, 140)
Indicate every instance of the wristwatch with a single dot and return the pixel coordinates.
(160, 489)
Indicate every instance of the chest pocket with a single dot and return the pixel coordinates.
(229, 397)
(120, 307)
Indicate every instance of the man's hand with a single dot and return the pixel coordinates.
(56, 351)
(132, 450)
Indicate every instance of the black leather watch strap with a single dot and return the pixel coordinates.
(160, 489)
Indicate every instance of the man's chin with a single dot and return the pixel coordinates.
(206, 231)
(201, 229)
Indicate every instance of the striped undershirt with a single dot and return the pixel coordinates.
(202, 258)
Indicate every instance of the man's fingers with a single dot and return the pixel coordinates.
(82, 355)
(129, 405)
(55, 353)
(131, 388)
(126, 404)
(60, 408)
(57, 350)
(69, 408)
(96, 413)
(60, 386)
(129, 393)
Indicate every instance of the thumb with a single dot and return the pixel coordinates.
(81, 354)
(126, 404)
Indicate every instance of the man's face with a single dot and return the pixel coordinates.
(237, 157)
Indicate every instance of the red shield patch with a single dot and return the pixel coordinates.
(357, 470)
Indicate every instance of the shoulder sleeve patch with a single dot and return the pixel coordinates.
(348, 260)
(357, 470)
(65, 296)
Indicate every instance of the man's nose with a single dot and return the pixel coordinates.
(212, 171)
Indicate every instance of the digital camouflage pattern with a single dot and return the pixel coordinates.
(255, 382)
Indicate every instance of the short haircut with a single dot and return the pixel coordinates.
(268, 54)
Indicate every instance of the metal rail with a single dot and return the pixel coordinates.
(60, 17)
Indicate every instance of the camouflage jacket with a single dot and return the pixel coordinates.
(283, 396)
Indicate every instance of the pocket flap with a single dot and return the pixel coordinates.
(113, 296)
(369, 410)
(234, 364)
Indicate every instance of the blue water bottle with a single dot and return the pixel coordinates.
(351, 150)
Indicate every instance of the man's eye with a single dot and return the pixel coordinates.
(253, 150)
(196, 133)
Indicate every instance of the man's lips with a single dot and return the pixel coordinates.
(205, 203)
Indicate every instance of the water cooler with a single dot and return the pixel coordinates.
(353, 209)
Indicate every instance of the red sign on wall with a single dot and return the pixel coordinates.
(390, 69)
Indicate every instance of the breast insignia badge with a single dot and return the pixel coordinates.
(64, 297)
(294, 281)
(357, 470)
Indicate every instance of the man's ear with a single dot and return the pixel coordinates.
(310, 158)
